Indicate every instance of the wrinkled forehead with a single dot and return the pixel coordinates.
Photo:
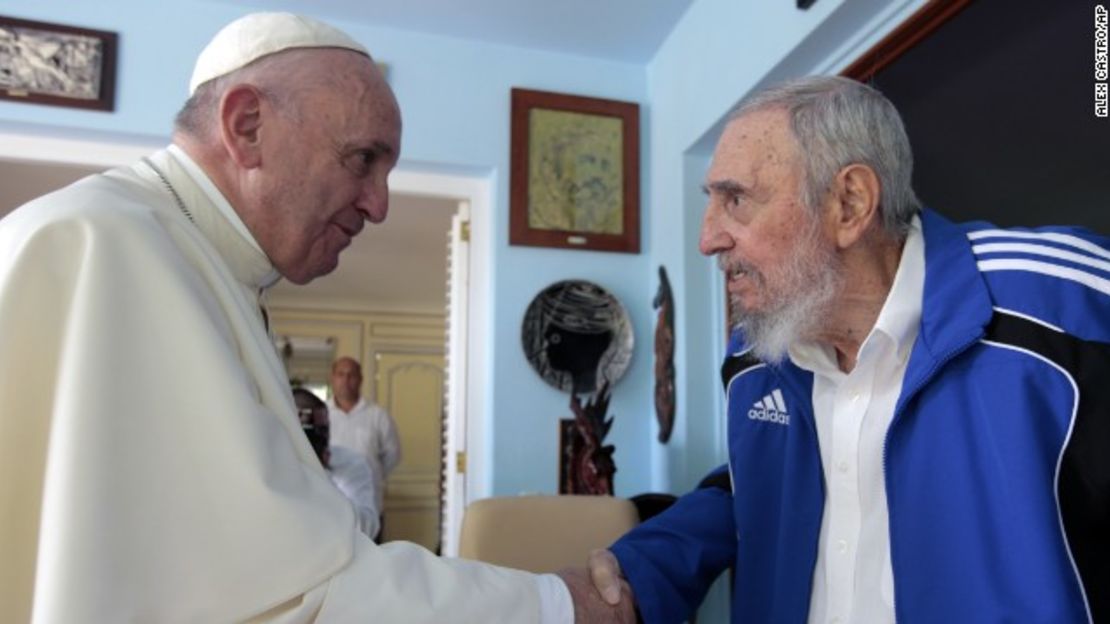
(361, 112)
(757, 142)
(355, 79)
(764, 131)
(344, 76)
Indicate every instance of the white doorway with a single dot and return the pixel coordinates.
(465, 426)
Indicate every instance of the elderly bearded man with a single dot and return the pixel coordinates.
(155, 468)
(918, 411)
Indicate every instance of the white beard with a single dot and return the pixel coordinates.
(799, 295)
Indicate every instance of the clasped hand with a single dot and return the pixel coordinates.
(599, 591)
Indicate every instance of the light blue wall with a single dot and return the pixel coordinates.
(454, 97)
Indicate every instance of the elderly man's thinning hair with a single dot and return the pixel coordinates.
(837, 122)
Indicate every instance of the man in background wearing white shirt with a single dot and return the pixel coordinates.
(361, 426)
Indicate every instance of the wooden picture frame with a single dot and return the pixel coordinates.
(909, 33)
(58, 65)
(575, 174)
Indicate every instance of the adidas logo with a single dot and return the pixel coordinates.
(770, 408)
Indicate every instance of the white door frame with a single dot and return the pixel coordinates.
(466, 424)
(475, 190)
(93, 152)
(453, 497)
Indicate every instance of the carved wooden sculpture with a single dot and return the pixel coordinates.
(664, 357)
(592, 466)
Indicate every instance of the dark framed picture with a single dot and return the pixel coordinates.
(43, 63)
(575, 174)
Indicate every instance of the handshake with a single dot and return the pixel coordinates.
(599, 591)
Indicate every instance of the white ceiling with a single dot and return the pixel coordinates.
(619, 30)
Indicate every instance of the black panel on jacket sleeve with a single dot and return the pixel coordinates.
(1083, 487)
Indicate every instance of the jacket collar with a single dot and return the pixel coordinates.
(956, 305)
(955, 310)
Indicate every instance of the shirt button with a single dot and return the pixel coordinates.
(855, 397)
(841, 546)
(842, 466)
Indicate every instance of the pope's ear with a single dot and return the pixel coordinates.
(856, 193)
(241, 124)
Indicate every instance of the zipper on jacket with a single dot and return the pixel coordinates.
(907, 396)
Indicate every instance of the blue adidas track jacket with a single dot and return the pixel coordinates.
(997, 462)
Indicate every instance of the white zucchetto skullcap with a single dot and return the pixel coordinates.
(253, 36)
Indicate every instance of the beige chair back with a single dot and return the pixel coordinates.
(543, 533)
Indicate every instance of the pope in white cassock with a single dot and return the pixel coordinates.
(154, 465)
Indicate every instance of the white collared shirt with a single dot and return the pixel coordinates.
(852, 579)
(369, 430)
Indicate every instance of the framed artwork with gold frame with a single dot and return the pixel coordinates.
(575, 173)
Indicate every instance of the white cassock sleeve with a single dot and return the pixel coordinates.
(154, 468)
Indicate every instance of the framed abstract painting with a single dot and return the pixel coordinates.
(575, 174)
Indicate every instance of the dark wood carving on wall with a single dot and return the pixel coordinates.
(587, 465)
(664, 357)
